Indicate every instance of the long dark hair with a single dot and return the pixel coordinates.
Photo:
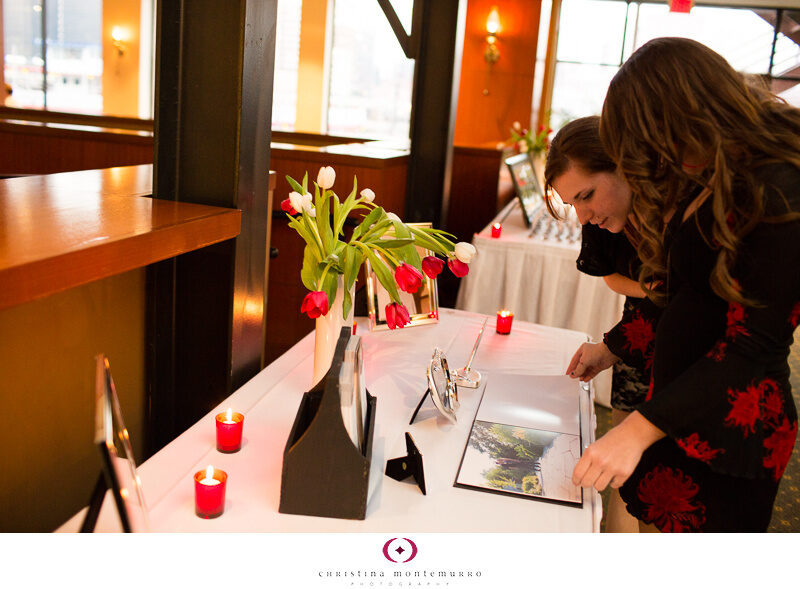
(675, 99)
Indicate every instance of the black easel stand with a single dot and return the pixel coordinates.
(419, 406)
(406, 466)
(96, 502)
(508, 212)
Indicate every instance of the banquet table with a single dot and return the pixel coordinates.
(394, 365)
(535, 276)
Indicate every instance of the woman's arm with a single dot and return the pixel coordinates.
(612, 458)
(623, 285)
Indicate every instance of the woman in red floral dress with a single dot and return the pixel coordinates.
(706, 450)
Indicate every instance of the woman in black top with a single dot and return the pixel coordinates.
(714, 170)
(576, 158)
(576, 161)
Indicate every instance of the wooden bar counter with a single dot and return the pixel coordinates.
(74, 248)
(63, 230)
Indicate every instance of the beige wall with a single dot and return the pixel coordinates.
(47, 373)
(121, 73)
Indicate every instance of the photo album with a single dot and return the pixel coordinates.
(526, 439)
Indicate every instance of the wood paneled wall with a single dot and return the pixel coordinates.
(37, 148)
(483, 118)
(474, 189)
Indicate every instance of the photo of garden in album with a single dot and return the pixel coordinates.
(521, 461)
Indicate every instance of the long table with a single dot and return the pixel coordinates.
(395, 363)
(535, 277)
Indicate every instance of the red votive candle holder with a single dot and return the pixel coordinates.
(209, 492)
(229, 431)
(497, 228)
(504, 320)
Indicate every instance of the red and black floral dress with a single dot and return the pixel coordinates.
(720, 377)
(604, 253)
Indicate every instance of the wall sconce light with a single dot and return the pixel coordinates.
(492, 53)
(118, 37)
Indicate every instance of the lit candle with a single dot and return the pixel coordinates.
(504, 320)
(209, 492)
(209, 480)
(229, 431)
(497, 228)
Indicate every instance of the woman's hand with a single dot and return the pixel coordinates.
(612, 458)
(590, 360)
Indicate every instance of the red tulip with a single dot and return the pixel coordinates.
(286, 205)
(458, 267)
(432, 266)
(315, 304)
(408, 278)
(397, 315)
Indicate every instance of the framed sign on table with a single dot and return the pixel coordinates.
(423, 305)
(119, 476)
(530, 195)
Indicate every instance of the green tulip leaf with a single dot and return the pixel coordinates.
(329, 286)
(310, 272)
(353, 258)
(295, 186)
(391, 243)
(384, 275)
(369, 219)
(347, 302)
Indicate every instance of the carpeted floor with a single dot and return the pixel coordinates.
(786, 513)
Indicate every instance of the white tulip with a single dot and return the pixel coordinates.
(465, 251)
(516, 126)
(312, 212)
(326, 177)
(299, 201)
(523, 146)
(393, 217)
(368, 195)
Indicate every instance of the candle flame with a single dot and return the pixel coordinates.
(210, 472)
(506, 313)
(229, 416)
(496, 225)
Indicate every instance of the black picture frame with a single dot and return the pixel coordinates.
(529, 193)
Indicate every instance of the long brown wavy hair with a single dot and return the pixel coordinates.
(676, 102)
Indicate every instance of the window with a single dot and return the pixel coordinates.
(287, 55)
(63, 73)
(597, 36)
(370, 77)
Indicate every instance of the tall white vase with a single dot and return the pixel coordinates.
(327, 332)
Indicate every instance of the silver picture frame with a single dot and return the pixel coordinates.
(423, 306)
(113, 441)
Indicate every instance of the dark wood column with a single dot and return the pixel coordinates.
(433, 114)
(214, 76)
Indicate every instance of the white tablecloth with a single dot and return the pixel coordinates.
(537, 279)
(395, 364)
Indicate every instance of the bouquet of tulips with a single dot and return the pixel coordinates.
(380, 237)
(524, 141)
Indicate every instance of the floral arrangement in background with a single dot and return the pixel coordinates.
(524, 141)
(380, 237)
